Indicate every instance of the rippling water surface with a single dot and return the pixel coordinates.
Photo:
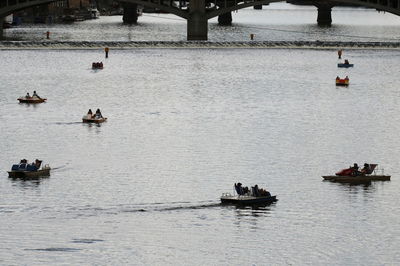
(183, 126)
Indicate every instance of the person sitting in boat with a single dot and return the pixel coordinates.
(35, 94)
(38, 163)
(239, 189)
(32, 167)
(255, 192)
(98, 114)
(346, 78)
(264, 193)
(89, 114)
(23, 161)
(27, 95)
(366, 169)
(346, 62)
(337, 78)
(355, 170)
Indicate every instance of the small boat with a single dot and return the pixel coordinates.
(346, 64)
(244, 196)
(25, 170)
(352, 175)
(97, 65)
(94, 118)
(342, 82)
(32, 99)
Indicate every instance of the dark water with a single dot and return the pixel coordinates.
(183, 126)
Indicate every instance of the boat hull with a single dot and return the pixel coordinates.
(357, 179)
(342, 83)
(29, 174)
(96, 121)
(345, 65)
(247, 200)
(38, 100)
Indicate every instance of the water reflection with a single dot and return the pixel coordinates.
(255, 210)
(91, 125)
(28, 183)
(29, 105)
(253, 216)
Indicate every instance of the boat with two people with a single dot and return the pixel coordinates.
(27, 170)
(35, 98)
(342, 82)
(346, 64)
(245, 196)
(94, 118)
(97, 65)
(368, 173)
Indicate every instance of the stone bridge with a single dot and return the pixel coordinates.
(198, 12)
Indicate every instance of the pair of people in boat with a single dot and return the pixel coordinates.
(33, 95)
(31, 167)
(97, 64)
(97, 115)
(255, 191)
(346, 62)
(366, 170)
(354, 170)
(346, 78)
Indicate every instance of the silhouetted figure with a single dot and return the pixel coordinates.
(98, 114)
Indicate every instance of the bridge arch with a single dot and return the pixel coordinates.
(159, 5)
(390, 6)
(17, 5)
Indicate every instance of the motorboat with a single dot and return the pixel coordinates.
(244, 196)
(31, 99)
(352, 175)
(94, 118)
(342, 82)
(25, 170)
(97, 65)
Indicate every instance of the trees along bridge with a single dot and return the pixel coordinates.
(198, 12)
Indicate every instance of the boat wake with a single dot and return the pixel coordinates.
(89, 211)
(4, 45)
(59, 167)
(172, 206)
(66, 123)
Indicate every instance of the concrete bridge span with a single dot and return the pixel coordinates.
(198, 12)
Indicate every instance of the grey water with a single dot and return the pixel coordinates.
(183, 126)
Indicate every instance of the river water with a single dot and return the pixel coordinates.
(183, 126)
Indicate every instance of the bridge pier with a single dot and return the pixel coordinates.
(1, 27)
(225, 19)
(324, 15)
(197, 22)
(130, 13)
